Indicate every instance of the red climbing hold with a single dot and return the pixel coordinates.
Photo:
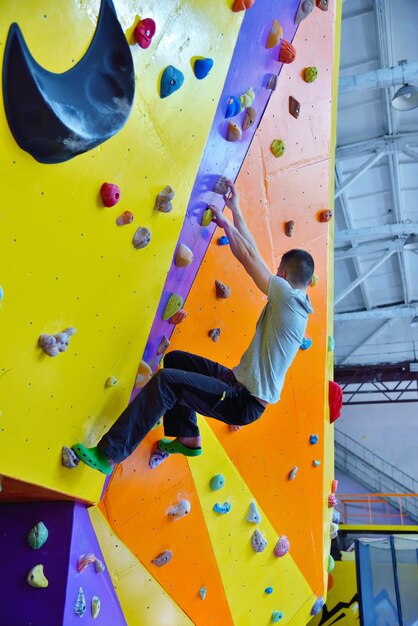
(110, 194)
(144, 32)
(242, 5)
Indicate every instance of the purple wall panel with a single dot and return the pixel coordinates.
(84, 540)
(251, 66)
(21, 604)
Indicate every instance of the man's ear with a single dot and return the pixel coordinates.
(281, 273)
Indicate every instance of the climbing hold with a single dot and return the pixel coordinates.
(158, 423)
(292, 473)
(275, 35)
(253, 515)
(306, 344)
(217, 482)
(221, 186)
(214, 334)
(276, 617)
(333, 530)
(223, 241)
(202, 592)
(233, 106)
(111, 381)
(222, 291)
(304, 9)
(247, 98)
(54, 344)
(242, 5)
(222, 509)
(272, 82)
(144, 32)
(234, 133)
(322, 4)
(1, 293)
(316, 463)
(282, 546)
(313, 439)
(141, 238)
(178, 317)
(164, 344)
(69, 459)
(258, 542)
(163, 558)
(268, 590)
(163, 200)
(336, 516)
(143, 374)
(249, 118)
(331, 343)
(288, 228)
(84, 561)
(202, 67)
(184, 256)
(80, 605)
(334, 486)
(233, 428)
(157, 457)
(294, 107)
(314, 280)
(325, 216)
(110, 194)
(126, 218)
(332, 500)
(318, 606)
(287, 52)
(173, 305)
(331, 564)
(95, 606)
(99, 566)
(36, 577)
(277, 147)
(37, 535)
(207, 217)
(310, 74)
(181, 509)
(171, 80)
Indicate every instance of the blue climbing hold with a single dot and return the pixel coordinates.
(217, 482)
(331, 343)
(202, 592)
(2, 292)
(233, 106)
(316, 463)
(306, 344)
(277, 616)
(318, 606)
(202, 67)
(223, 241)
(171, 80)
(313, 439)
(222, 508)
(268, 590)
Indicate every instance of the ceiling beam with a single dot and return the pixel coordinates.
(376, 333)
(380, 313)
(379, 79)
(364, 167)
(376, 232)
(368, 248)
(387, 143)
(362, 277)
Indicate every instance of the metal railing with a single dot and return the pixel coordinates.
(386, 509)
(374, 472)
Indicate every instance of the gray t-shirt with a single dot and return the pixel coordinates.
(278, 335)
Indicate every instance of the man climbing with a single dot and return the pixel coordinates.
(189, 383)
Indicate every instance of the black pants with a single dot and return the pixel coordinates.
(187, 383)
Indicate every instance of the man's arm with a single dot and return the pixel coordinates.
(232, 202)
(245, 252)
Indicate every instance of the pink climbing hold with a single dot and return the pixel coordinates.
(84, 561)
(334, 486)
(282, 546)
(178, 317)
(332, 500)
(110, 194)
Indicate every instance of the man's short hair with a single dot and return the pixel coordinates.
(299, 265)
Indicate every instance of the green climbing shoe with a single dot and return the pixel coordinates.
(93, 457)
(175, 447)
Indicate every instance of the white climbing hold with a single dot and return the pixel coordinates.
(258, 542)
(181, 509)
(253, 515)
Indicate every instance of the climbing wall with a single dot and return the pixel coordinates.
(69, 264)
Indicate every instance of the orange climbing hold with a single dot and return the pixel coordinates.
(242, 5)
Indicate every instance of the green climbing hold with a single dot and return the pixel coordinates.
(37, 535)
(310, 74)
(217, 482)
(278, 147)
(173, 305)
(331, 343)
